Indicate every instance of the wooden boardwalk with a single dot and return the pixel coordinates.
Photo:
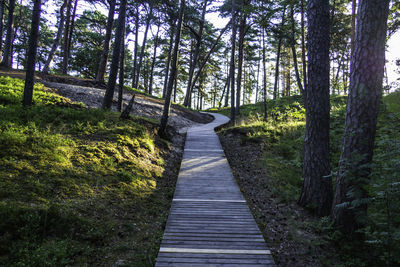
(210, 223)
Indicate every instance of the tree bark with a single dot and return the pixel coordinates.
(107, 38)
(136, 47)
(121, 72)
(293, 45)
(193, 63)
(353, 25)
(56, 42)
(119, 35)
(2, 7)
(232, 64)
(264, 77)
(153, 61)
(278, 54)
(240, 59)
(174, 66)
(303, 48)
(317, 186)
(143, 47)
(66, 38)
(168, 63)
(71, 31)
(31, 54)
(6, 62)
(366, 78)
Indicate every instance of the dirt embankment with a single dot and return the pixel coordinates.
(91, 93)
(287, 228)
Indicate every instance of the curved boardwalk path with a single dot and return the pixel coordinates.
(210, 223)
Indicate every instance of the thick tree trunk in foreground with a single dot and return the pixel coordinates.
(107, 38)
(174, 67)
(365, 92)
(232, 64)
(31, 54)
(56, 42)
(9, 36)
(119, 35)
(317, 186)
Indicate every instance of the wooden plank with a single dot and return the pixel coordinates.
(215, 251)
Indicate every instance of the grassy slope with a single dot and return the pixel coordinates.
(78, 186)
(282, 139)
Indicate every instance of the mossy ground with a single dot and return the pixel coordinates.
(78, 186)
(280, 142)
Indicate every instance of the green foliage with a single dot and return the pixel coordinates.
(71, 178)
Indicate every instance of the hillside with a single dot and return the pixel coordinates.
(266, 158)
(79, 186)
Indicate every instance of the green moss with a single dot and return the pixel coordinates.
(70, 177)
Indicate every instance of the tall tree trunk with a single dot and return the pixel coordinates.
(56, 42)
(2, 7)
(174, 66)
(175, 85)
(153, 61)
(71, 31)
(209, 54)
(168, 63)
(135, 54)
(293, 45)
(193, 63)
(9, 36)
(264, 77)
(258, 76)
(227, 91)
(353, 25)
(242, 27)
(278, 54)
(223, 93)
(149, 16)
(121, 72)
(119, 35)
(366, 78)
(31, 54)
(232, 64)
(317, 185)
(107, 38)
(303, 48)
(66, 38)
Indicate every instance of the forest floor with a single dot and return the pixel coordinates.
(289, 230)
